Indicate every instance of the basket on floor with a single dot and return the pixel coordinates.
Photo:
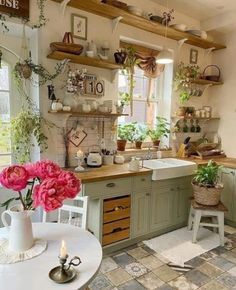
(207, 195)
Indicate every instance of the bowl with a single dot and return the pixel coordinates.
(135, 10)
(90, 53)
(180, 27)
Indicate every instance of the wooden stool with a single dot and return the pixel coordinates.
(197, 211)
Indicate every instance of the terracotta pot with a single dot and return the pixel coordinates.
(138, 144)
(207, 195)
(156, 143)
(121, 145)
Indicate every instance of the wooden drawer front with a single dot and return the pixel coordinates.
(116, 226)
(115, 237)
(109, 186)
(113, 203)
(116, 215)
(142, 181)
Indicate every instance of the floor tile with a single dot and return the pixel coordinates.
(151, 262)
(150, 281)
(161, 258)
(232, 271)
(100, 283)
(222, 263)
(118, 276)
(195, 262)
(229, 229)
(149, 250)
(138, 253)
(136, 269)
(123, 259)
(208, 256)
(165, 273)
(210, 270)
(131, 285)
(108, 264)
(219, 250)
(165, 287)
(197, 277)
(230, 256)
(181, 283)
(213, 285)
(227, 280)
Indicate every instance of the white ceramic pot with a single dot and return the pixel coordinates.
(20, 230)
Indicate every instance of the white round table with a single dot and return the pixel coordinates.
(33, 274)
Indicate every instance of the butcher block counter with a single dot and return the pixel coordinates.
(109, 171)
(225, 161)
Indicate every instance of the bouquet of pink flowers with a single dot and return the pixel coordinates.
(48, 185)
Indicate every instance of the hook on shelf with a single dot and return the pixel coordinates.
(181, 42)
(115, 23)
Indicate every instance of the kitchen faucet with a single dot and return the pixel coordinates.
(148, 156)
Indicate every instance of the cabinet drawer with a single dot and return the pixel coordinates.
(115, 237)
(116, 203)
(142, 181)
(116, 226)
(109, 186)
(116, 215)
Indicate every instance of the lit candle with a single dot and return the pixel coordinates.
(80, 154)
(63, 250)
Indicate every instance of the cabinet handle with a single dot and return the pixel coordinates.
(172, 189)
(178, 188)
(147, 194)
(143, 179)
(232, 172)
(112, 184)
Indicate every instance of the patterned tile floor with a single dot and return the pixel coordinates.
(140, 268)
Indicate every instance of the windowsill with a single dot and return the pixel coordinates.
(129, 151)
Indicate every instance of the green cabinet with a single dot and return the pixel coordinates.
(228, 196)
(181, 204)
(140, 213)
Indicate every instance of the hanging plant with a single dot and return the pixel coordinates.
(24, 127)
(3, 23)
(42, 20)
(184, 77)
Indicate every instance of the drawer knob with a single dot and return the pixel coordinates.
(112, 184)
(143, 179)
(147, 194)
(117, 208)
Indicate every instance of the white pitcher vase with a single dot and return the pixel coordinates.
(20, 230)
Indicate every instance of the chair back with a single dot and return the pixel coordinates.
(80, 207)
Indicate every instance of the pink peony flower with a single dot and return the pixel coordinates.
(14, 177)
(49, 194)
(70, 182)
(43, 169)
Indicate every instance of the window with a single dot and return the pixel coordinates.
(144, 106)
(5, 137)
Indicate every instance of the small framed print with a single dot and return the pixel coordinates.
(193, 56)
(79, 26)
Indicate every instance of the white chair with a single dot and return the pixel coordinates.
(73, 212)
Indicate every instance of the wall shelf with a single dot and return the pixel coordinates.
(93, 114)
(206, 82)
(194, 118)
(112, 12)
(84, 60)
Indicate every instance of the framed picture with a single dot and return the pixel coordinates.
(79, 26)
(193, 56)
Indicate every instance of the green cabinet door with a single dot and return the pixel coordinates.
(228, 195)
(161, 208)
(140, 213)
(181, 204)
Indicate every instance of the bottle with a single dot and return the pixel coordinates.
(185, 127)
(192, 128)
(198, 128)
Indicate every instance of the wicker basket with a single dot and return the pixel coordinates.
(207, 195)
(214, 78)
(67, 45)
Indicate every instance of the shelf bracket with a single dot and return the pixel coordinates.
(63, 4)
(115, 23)
(181, 42)
(209, 50)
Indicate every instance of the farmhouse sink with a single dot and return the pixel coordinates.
(167, 168)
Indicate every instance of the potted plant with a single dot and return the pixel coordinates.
(124, 100)
(160, 130)
(125, 133)
(206, 186)
(184, 77)
(140, 135)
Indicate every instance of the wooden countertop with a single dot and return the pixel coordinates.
(109, 171)
(225, 161)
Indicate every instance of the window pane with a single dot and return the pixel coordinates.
(4, 78)
(4, 106)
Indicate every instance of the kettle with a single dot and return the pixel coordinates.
(94, 158)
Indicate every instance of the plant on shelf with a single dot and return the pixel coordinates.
(124, 100)
(161, 129)
(140, 135)
(184, 77)
(206, 185)
(125, 133)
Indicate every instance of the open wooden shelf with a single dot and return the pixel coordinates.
(194, 118)
(95, 62)
(112, 12)
(93, 114)
(206, 82)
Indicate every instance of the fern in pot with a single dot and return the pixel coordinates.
(206, 185)
(160, 130)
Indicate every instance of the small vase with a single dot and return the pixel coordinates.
(138, 144)
(20, 230)
(121, 145)
(156, 143)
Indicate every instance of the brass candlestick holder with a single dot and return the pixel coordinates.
(64, 273)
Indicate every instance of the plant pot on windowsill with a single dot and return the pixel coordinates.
(121, 145)
(156, 143)
(138, 144)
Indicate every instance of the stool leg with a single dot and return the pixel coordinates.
(221, 227)
(197, 219)
(215, 221)
(190, 218)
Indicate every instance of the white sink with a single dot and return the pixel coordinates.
(167, 168)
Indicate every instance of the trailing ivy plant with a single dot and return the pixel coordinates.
(184, 77)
